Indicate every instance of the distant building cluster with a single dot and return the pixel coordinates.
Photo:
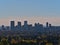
(26, 26)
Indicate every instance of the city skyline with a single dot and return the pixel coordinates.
(37, 27)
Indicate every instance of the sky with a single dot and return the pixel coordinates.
(39, 10)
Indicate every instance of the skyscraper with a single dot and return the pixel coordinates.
(12, 25)
(25, 25)
(3, 27)
(19, 26)
(47, 24)
(25, 22)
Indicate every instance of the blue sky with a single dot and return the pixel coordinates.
(11, 8)
(47, 9)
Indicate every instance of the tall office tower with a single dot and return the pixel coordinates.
(25, 22)
(12, 25)
(3, 28)
(19, 26)
(38, 26)
(25, 25)
(47, 25)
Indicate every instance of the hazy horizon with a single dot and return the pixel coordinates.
(31, 20)
(44, 10)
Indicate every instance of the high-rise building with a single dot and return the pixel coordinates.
(38, 26)
(47, 25)
(25, 22)
(25, 25)
(12, 25)
(19, 26)
(3, 27)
